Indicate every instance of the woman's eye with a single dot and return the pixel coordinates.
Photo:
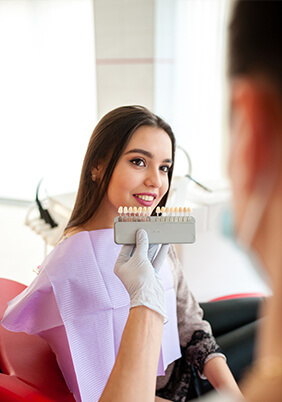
(165, 169)
(138, 162)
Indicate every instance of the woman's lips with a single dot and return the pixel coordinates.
(146, 200)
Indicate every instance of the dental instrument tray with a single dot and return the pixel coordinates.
(169, 226)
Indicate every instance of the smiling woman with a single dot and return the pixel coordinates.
(139, 178)
(78, 304)
(130, 156)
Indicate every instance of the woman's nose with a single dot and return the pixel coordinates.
(153, 179)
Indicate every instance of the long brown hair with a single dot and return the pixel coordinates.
(107, 143)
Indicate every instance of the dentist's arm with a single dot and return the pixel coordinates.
(133, 377)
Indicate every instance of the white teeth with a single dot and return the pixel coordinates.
(145, 197)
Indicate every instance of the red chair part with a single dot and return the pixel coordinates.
(29, 370)
(238, 296)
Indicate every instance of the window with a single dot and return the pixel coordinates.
(48, 93)
(198, 106)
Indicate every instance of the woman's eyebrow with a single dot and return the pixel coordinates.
(145, 153)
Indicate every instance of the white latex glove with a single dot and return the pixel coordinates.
(139, 273)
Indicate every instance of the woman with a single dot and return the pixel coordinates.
(77, 303)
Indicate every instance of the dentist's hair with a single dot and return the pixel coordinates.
(255, 41)
(107, 143)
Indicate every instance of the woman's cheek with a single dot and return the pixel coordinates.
(163, 192)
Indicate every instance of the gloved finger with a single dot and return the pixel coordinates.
(125, 253)
(159, 260)
(142, 242)
(153, 248)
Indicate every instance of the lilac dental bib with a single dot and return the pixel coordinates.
(80, 307)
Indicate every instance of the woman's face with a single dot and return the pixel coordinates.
(140, 178)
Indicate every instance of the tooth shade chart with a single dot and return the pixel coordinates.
(164, 214)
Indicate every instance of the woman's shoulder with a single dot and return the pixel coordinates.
(69, 232)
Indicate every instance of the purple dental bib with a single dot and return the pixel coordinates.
(80, 307)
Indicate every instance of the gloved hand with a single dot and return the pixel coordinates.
(139, 272)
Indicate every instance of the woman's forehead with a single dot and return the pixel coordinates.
(153, 139)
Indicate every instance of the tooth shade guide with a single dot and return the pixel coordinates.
(170, 225)
(171, 216)
(185, 212)
(168, 214)
(162, 211)
(189, 213)
(120, 210)
(139, 213)
(135, 211)
(125, 211)
(176, 213)
(180, 213)
(158, 211)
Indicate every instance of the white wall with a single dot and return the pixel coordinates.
(48, 93)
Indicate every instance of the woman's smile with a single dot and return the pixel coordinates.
(145, 199)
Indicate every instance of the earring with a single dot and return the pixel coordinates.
(95, 175)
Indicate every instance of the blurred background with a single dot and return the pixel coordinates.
(63, 65)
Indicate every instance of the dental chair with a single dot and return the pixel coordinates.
(28, 367)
